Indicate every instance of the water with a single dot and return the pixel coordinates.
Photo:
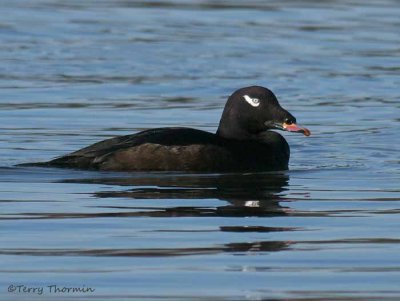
(76, 72)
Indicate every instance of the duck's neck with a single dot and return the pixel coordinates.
(232, 131)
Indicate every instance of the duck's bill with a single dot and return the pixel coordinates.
(295, 128)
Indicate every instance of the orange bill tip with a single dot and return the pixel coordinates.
(297, 129)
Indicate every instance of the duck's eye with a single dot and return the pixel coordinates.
(288, 121)
(255, 102)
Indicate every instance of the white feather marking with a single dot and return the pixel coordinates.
(255, 102)
(252, 203)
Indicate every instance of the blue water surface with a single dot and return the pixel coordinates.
(76, 72)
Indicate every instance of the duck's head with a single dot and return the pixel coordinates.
(252, 110)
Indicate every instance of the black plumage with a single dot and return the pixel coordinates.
(243, 142)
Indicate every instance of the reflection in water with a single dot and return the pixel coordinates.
(248, 195)
(245, 247)
(240, 195)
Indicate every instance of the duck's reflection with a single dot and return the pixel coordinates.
(229, 195)
(243, 194)
(237, 248)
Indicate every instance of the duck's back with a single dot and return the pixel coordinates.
(162, 149)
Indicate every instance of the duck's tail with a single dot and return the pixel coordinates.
(33, 164)
(79, 162)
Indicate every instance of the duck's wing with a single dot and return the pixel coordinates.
(92, 156)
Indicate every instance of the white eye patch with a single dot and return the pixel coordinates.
(252, 203)
(255, 102)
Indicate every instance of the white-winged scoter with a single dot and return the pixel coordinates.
(242, 143)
